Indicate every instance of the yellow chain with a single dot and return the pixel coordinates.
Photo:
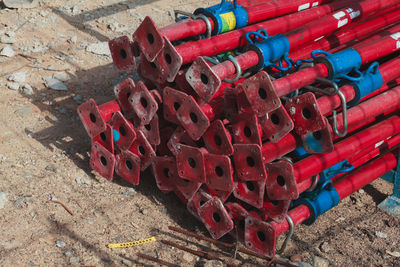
(133, 244)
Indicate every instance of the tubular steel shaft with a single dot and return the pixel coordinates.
(350, 183)
(389, 72)
(256, 12)
(308, 32)
(367, 154)
(371, 108)
(368, 52)
(357, 116)
(232, 40)
(314, 164)
(347, 35)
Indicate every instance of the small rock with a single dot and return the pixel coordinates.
(43, 13)
(21, 200)
(10, 33)
(7, 51)
(27, 89)
(325, 247)
(26, 175)
(54, 84)
(83, 44)
(126, 262)
(3, 199)
(61, 76)
(21, 3)
(381, 234)
(187, 257)
(32, 214)
(18, 77)
(50, 168)
(395, 254)
(82, 181)
(13, 86)
(73, 39)
(7, 40)
(340, 219)
(320, 262)
(143, 211)
(99, 48)
(113, 26)
(60, 244)
(67, 253)
(118, 239)
(127, 193)
(296, 258)
(30, 263)
(73, 260)
(361, 191)
(24, 111)
(213, 263)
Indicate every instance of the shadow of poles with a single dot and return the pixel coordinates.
(63, 229)
(66, 132)
(68, 135)
(78, 21)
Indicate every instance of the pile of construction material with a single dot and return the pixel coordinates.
(258, 115)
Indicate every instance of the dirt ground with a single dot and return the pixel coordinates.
(44, 154)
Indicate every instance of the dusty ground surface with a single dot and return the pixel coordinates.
(44, 155)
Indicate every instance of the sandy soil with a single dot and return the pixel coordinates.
(44, 155)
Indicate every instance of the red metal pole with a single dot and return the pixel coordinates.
(347, 35)
(205, 79)
(357, 116)
(371, 108)
(389, 72)
(368, 52)
(232, 40)
(350, 184)
(369, 153)
(296, 178)
(94, 117)
(256, 11)
(331, 23)
(172, 58)
(314, 164)
(365, 175)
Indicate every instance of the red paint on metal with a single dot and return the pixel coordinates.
(94, 117)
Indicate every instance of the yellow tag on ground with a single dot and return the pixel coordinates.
(133, 244)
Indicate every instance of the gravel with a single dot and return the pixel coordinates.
(61, 76)
(54, 84)
(13, 86)
(18, 77)
(381, 234)
(21, 3)
(7, 51)
(27, 89)
(60, 244)
(3, 199)
(82, 181)
(99, 48)
(7, 40)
